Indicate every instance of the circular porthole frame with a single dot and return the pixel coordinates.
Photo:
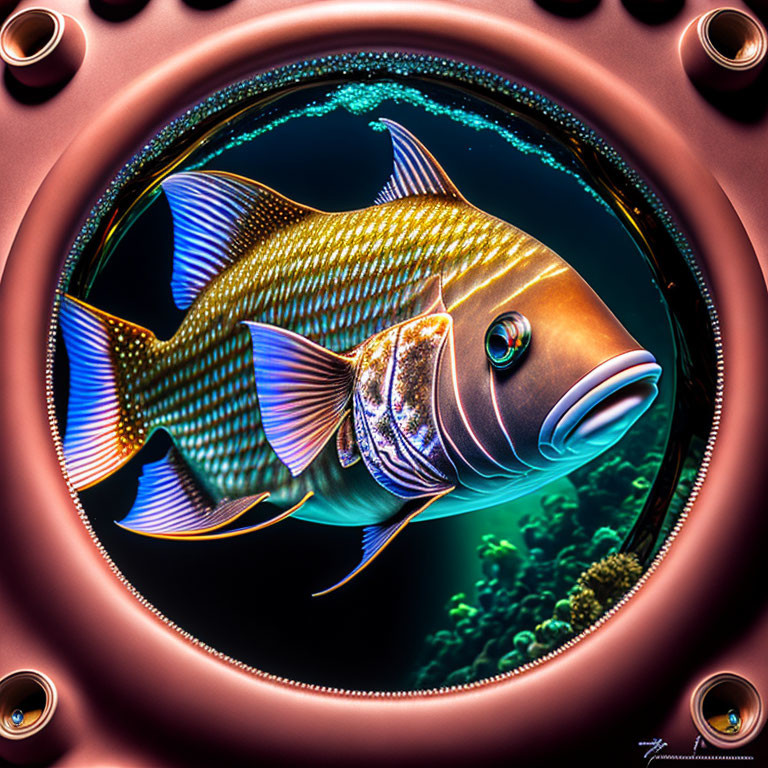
(117, 648)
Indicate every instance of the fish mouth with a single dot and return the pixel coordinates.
(599, 409)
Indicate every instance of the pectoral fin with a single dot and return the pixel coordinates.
(303, 391)
(377, 537)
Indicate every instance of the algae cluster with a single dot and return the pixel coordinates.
(529, 603)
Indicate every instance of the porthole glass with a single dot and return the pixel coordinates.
(270, 355)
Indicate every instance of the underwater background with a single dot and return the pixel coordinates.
(453, 600)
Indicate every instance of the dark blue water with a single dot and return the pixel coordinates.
(249, 597)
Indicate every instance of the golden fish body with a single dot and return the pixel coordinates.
(418, 357)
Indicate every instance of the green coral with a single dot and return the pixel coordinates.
(585, 609)
(530, 601)
(459, 610)
(563, 610)
(601, 586)
(500, 559)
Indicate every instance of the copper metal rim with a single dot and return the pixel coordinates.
(119, 650)
(732, 691)
(731, 38)
(19, 690)
(30, 36)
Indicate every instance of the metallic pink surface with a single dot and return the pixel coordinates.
(58, 60)
(132, 691)
(707, 66)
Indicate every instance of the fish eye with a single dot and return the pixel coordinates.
(506, 339)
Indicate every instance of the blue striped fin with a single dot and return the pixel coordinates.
(217, 218)
(170, 503)
(415, 172)
(303, 391)
(377, 537)
(100, 437)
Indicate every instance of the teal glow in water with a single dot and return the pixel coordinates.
(249, 598)
(361, 98)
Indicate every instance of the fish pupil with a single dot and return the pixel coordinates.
(498, 344)
(506, 339)
(17, 717)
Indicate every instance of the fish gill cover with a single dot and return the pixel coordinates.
(548, 562)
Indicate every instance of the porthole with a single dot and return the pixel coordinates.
(248, 238)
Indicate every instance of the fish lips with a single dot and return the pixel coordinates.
(599, 409)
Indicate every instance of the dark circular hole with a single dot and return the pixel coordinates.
(498, 344)
(29, 33)
(721, 700)
(734, 35)
(26, 702)
(726, 709)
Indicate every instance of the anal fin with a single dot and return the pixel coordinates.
(232, 532)
(170, 505)
(377, 537)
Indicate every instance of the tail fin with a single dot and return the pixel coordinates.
(105, 427)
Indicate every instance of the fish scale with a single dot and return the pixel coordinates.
(211, 344)
(363, 368)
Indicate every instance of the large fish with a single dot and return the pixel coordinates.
(406, 361)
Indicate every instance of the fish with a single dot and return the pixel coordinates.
(398, 363)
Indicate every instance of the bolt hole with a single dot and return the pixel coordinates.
(735, 36)
(726, 710)
(29, 33)
(27, 701)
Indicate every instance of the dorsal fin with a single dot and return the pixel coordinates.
(217, 218)
(415, 172)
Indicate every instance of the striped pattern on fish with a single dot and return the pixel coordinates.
(404, 361)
